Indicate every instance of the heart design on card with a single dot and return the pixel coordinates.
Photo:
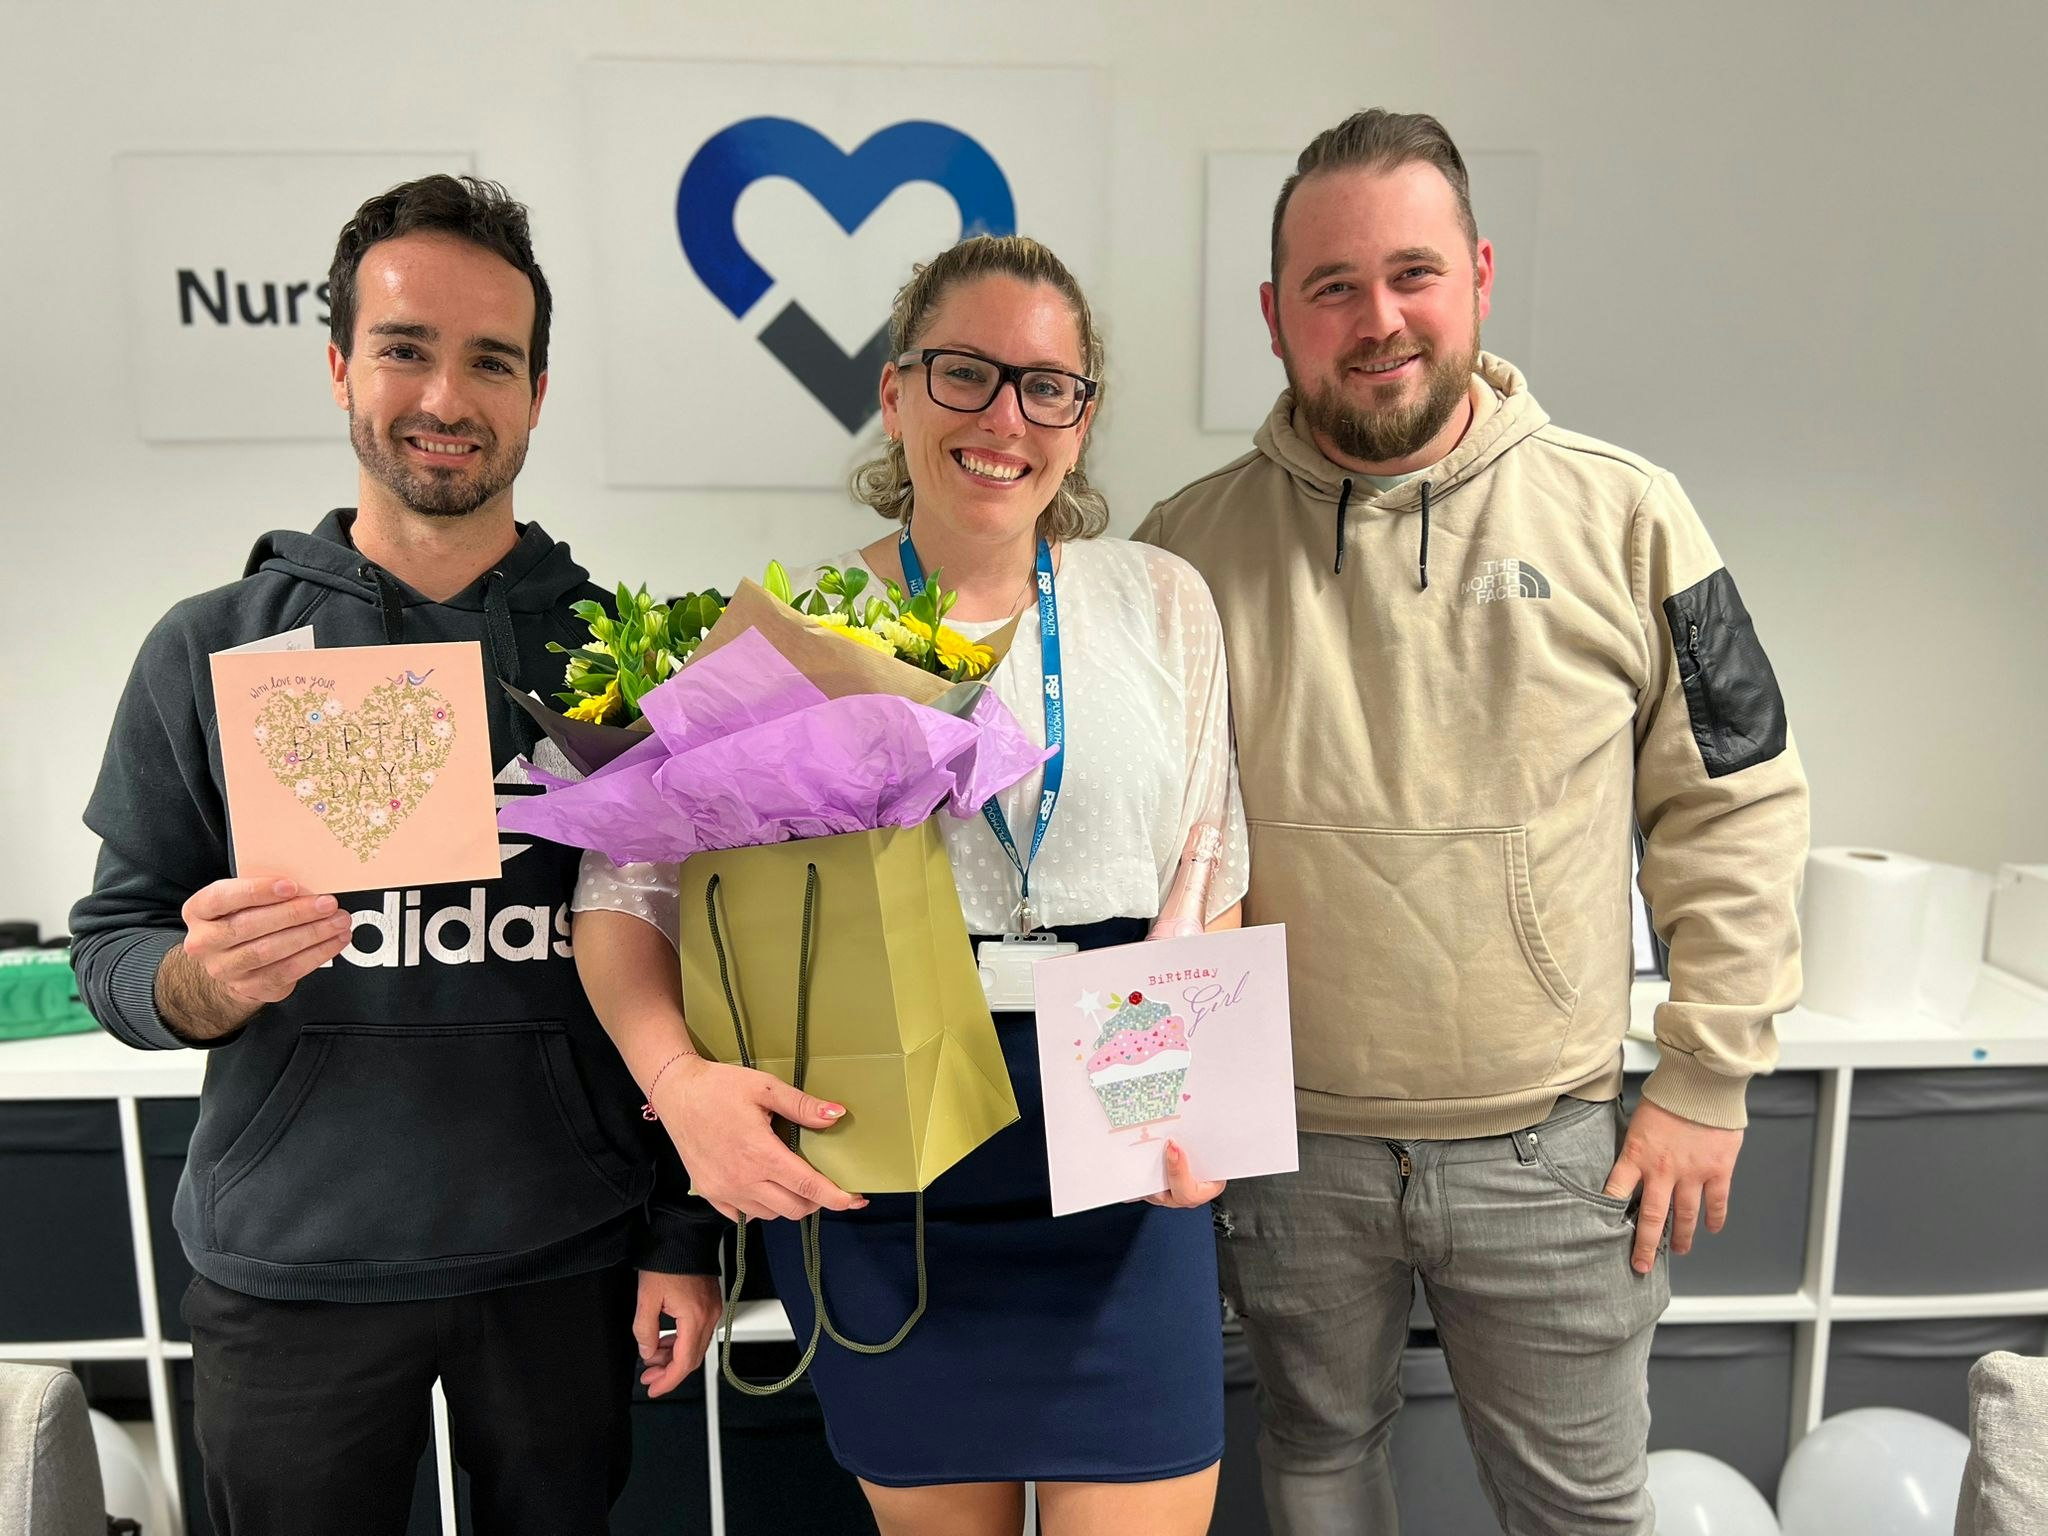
(359, 771)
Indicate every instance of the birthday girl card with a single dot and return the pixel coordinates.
(358, 768)
(1174, 1039)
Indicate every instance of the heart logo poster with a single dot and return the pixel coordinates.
(760, 216)
(358, 768)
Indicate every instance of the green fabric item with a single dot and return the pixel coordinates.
(39, 996)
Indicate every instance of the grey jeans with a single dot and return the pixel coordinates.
(1525, 1264)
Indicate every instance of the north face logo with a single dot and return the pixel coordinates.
(1499, 580)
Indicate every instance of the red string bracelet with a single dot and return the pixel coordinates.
(647, 1109)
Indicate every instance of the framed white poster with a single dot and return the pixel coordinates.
(753, 223)
(225, 258)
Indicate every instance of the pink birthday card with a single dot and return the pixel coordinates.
(1174, 1039)
(359, 767)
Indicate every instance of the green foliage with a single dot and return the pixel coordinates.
(640, 643)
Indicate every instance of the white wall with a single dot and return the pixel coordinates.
(1789, 250)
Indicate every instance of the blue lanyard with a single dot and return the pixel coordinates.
(1055, 714)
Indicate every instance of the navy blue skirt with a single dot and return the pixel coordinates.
(1083, 1349)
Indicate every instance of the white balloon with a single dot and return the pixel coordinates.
(1874, 1472)
(1696, 1495)
(128, 1489)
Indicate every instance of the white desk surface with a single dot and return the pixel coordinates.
(2005, 1023)
(96, 1066)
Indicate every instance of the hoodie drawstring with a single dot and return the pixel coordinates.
(391, 601)
(503, 646)
(1422, 550)
(498, 626)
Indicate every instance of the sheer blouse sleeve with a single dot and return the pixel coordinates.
(1191, 645)
(645, 891)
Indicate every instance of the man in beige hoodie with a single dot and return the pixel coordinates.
(1470, 654)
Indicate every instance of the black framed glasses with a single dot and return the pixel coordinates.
(967, 381)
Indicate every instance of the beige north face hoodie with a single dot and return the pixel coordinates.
(1454, 703)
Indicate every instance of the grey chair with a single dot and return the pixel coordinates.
(49, 1467)
(2005, 1484)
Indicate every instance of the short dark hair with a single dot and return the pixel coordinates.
(1379, 140)
(481, 212)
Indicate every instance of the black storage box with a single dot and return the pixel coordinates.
(67, 1266)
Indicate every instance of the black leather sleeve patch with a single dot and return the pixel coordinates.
(1731, 694)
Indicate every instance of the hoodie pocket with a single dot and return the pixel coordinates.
(396, 1144)
(1416, 959)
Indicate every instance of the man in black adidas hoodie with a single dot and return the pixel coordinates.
(418, 1155)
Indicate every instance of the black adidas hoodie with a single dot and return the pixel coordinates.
(437, 1112)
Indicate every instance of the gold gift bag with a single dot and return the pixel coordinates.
(841, 965)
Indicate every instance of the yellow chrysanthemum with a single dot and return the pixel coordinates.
(598, 707)
(905, 640)
(839, 624)
(956, 650)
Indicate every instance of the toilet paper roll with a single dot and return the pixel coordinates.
(1952, 931)
(1860, 924)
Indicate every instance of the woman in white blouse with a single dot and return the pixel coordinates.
(1081, 1354)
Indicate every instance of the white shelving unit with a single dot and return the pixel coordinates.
(98, 1067)
(2004, 1024)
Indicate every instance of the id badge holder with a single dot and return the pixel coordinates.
(1006, 965)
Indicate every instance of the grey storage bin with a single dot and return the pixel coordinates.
(1923, 1365)
(1762, 1249)
(779, 1474)
(1725, 1390)
(67, 1260)
(1240, 1502)
(1436, 1482)
(166, 1126)
(117, 1388)
(1947, 1173)
(668, 1492)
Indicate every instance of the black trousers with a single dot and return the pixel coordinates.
(312, 1416)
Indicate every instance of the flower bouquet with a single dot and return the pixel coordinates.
(909, 650)
(793, 765)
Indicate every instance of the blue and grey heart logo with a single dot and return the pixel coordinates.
(849, 186)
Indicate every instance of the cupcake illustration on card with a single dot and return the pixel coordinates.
(1139, 1065)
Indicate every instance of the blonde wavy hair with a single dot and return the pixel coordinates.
(1077, 510)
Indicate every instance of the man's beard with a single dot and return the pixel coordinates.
(1383, 434)
(434, 492)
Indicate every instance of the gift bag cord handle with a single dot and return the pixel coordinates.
(811, 1227)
